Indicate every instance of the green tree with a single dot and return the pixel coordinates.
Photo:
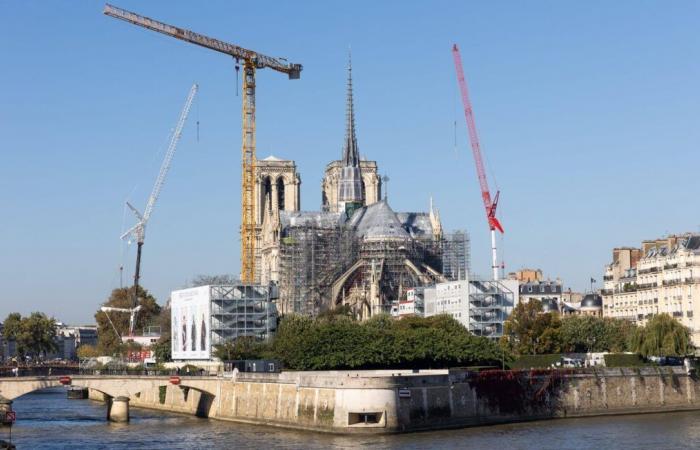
(12, 326)
(34, 335)
(530, 331)
(108, 341)
(662, 336)
(596, 334)
(162, 349)
(245, 347)
(339, 342)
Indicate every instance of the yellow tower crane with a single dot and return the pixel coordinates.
(251, 61)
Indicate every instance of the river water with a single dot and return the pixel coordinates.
(47, 420)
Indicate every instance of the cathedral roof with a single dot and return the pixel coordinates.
(378, 221)
(417, 224)
(318, 219)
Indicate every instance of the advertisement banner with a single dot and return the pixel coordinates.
(190, 312)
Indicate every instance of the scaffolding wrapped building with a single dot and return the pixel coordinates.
(456, 258)
(205, 316)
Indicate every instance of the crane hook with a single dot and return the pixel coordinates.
(237, 69)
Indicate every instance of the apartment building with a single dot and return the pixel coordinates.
(663, 276)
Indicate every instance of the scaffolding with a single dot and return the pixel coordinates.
(312, 256)
(241, 310)
(456, 258)
(489, 301)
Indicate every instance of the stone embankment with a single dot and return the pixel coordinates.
(401, 401)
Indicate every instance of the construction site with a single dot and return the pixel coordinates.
(355, 250)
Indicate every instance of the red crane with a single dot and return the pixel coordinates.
(489, 204)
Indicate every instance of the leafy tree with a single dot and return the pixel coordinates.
(529, 331)
(339, 342)
(12, 326)
(162, 349)
(108, 341)
(34, 335)
(596, 334)
(245, 347)
(662, 336)
(87, 351)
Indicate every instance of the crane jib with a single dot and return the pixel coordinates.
(260, 60)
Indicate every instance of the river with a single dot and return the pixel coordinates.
(48, 420)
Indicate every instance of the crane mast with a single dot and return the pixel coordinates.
(489, 203)
(138, 231)
(251, 61)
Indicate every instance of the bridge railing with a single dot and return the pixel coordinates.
(41, 371)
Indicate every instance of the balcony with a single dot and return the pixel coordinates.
(647, 286)
(649, 270)
(671, 282)
(670, 266)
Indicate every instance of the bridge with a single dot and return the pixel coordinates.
(118, 390)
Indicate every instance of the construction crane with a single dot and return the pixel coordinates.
(138, 231)
(132, 317)
(251, 61)
(489, 204)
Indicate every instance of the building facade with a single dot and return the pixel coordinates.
(663, 276)
(482, 306)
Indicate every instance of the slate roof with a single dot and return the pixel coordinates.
(376, 221)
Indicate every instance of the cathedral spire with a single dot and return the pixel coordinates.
(351, 194)
(351, 154)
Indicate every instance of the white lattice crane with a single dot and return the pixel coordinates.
(138, 231)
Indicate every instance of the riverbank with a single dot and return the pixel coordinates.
(403, 401)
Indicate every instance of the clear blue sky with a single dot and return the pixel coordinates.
(587, 112)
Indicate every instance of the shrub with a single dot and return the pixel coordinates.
(623, 360)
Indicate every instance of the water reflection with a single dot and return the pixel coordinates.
(47, 420)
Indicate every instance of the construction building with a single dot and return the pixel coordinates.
(205, 316)
(482, 306)
(456, 258)
(355, 250)
(663, 276)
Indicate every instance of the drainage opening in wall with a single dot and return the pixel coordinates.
(366, 419)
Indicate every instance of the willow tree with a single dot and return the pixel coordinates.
(662, 336)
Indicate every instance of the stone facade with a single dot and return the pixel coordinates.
(663, 276)
(371, 185)
(371, 402)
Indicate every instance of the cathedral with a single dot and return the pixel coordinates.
(356, 250)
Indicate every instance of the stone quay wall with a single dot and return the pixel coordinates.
(402, 401)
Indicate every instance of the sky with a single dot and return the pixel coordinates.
(587, 114)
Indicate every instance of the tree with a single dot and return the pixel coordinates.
(87, 351)
(34, 335)
(12, 326)
(662, 336)
(339, 342)
(206, 280)
(244, 347)
(108, 341)
(529, 331)
(162, 349)
(596, 334)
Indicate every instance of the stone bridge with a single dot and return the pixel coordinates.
(118, 390)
